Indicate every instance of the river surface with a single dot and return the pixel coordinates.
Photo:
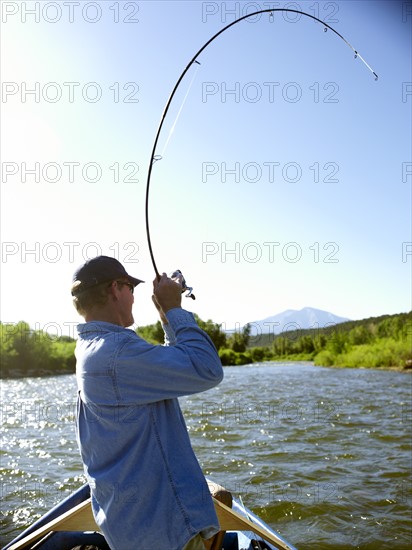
(322, 455)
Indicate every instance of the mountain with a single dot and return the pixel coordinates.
(292, 319)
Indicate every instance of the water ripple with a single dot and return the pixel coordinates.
(324, 455)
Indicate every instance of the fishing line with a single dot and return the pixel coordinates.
(172, 129)
(154, 157)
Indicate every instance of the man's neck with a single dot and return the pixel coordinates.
(104, 315)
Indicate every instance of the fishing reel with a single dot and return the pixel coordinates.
(185, 288)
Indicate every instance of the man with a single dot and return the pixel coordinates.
(148, 491)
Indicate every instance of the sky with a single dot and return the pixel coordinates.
(285, 173)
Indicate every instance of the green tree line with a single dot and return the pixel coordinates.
(28, 352)
(384, 341)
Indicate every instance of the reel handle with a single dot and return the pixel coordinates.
(185, 288)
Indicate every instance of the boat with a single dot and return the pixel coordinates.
(70, 524)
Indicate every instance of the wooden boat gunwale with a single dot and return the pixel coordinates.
(74, 514)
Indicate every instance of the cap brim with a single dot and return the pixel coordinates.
(134, 281)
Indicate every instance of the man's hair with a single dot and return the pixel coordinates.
(84, 300)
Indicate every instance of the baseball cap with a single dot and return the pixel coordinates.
(100, 270)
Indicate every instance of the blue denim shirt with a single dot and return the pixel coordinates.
(148, 490)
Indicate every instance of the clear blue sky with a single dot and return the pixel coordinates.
(286, 181)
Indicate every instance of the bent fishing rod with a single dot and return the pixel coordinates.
(154, 157)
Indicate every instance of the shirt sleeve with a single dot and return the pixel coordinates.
(146, 373)
(170, 336)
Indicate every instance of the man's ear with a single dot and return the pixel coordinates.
(112, 290)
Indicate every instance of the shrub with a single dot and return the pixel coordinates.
(325, 358)
(227, 356)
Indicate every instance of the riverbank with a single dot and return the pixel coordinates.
(42, 373)
(377, 343)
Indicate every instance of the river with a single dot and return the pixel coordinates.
(322, 455)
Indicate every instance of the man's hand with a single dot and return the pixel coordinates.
(167, 294)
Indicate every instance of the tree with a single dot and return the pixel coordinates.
(282, 346)
(338, 343)
(360, 335)
(214, 331)
(27, 352)
(240, 340)
(306, 344)
(152, 333)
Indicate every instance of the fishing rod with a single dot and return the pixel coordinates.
(154, 157)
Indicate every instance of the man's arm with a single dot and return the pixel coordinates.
(149, 373)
